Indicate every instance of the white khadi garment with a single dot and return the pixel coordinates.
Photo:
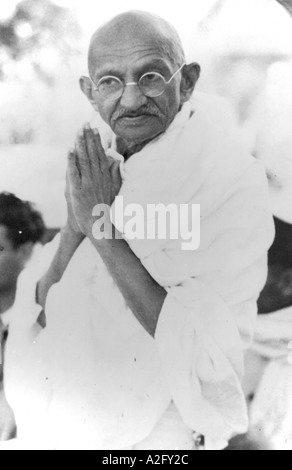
(94, 378)
(271, 408)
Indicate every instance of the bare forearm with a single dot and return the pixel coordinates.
(68, 245)
(144, 296)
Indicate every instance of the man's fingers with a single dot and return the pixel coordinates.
(73, 177)
(95, 149)
(82, 155)
(67, 188)
(100, 150)
(115, 170)
(97, 139)
(92, 150)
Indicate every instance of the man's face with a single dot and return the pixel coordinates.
(134, 117)
(10, 261)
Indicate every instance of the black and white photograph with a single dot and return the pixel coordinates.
(145, 227)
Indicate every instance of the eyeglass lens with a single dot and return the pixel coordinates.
(151, 84)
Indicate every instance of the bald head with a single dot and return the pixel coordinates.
(136, 27)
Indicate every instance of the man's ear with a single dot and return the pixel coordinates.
(86, 86)
(190, 76)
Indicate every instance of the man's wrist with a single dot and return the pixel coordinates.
(105, 242)
(69, 234)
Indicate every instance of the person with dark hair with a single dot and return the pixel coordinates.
(21, 227)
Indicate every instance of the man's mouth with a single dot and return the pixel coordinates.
(135, 119)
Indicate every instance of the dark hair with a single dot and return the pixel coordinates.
(23, 223)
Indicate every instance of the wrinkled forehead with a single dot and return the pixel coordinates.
(136, 61)
(125, 47)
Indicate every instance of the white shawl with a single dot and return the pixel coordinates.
(271, 408)
(94, 377)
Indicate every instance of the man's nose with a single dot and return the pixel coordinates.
(132, 97)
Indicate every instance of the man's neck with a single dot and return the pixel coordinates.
(7, 299)
(128, 149)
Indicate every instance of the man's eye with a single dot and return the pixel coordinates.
(151, 77)
(109, 82)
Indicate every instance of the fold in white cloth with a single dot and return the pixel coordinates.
(94, 378)
(273, 336)
(271, 408)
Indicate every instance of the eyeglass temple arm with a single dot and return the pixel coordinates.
(93, 84)
(175, 74)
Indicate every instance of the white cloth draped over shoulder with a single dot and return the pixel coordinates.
(271, 408)
(94, 378)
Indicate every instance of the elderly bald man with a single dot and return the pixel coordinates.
(144, 341)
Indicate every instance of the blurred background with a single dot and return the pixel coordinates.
(243, 46)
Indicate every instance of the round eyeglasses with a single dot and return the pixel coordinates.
(151, 84)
